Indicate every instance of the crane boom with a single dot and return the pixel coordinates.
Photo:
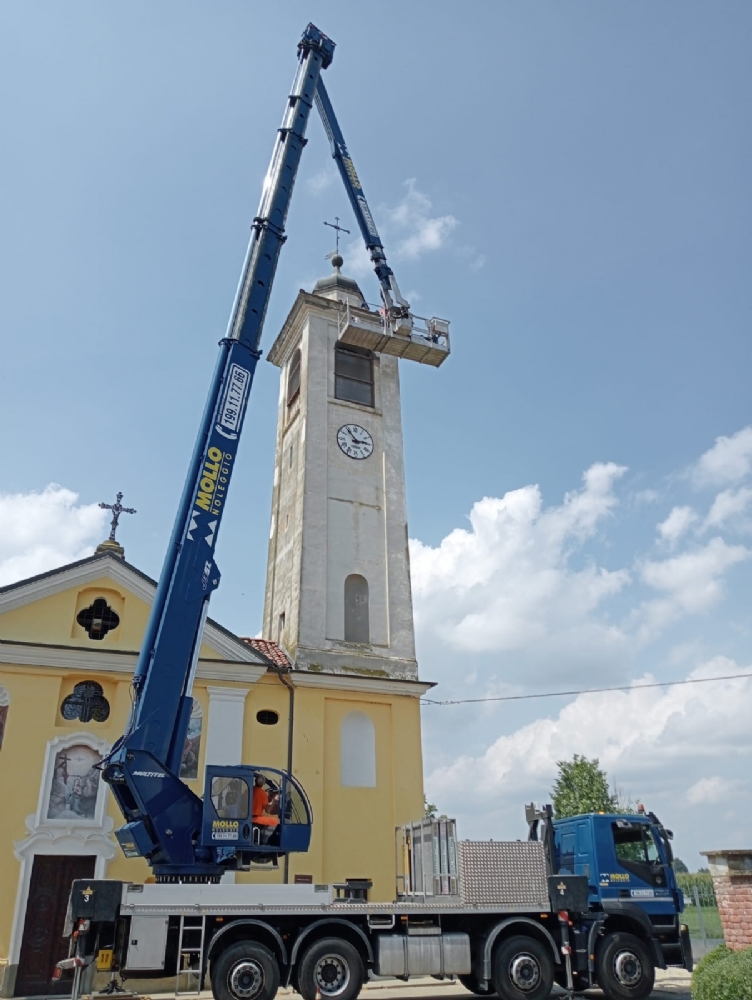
(151, 750)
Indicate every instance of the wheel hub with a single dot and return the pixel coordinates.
(332, 975)
(627, 968)
(524, 972)
(246, 979)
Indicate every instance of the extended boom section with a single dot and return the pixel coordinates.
(397, 309)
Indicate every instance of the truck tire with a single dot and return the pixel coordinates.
(245, 971)
(471, 983)
(522, 969)
(332, 968)
(624, 967)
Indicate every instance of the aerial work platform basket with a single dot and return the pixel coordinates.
(416, 339)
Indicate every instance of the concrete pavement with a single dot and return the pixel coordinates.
(673, 983)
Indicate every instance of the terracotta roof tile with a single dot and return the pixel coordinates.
(271, 650)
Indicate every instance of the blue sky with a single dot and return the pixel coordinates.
(569, 185)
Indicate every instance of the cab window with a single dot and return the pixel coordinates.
(230, 797)
(295, 810)
(634, 842)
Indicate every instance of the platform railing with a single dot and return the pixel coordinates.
(423, 339)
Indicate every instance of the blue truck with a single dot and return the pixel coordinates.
(627, 860)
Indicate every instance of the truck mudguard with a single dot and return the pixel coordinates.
(494, 933)
(328, 922)
(249, 922)
(635, 913)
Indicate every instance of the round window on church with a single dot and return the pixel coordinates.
(267, 717)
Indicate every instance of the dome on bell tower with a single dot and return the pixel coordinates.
(338, 286)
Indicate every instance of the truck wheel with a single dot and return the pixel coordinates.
(624, 968)
(332, 968)
(522, 969)
(245, 971)
(471, 983)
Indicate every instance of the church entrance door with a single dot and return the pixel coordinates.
(42, 945)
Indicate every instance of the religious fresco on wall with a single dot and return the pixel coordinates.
(4, 703)
(75, 784)
(189, 763)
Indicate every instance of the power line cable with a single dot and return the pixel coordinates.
(565, 694)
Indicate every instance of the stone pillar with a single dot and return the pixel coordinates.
(732, 881)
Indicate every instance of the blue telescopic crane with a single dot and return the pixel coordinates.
(182, 836)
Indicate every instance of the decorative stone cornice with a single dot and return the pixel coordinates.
(357, 682)
(116, 661)
(283, 345)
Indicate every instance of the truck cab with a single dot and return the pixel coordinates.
(628, 861)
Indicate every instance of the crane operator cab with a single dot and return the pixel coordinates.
(255, 814)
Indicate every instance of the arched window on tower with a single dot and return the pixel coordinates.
(357, 627)
(357, 751)
(293, 377)
(4, 703)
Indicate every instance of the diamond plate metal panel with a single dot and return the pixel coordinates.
(503, 873)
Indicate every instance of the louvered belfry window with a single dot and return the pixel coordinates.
(293, 377)
(353, 374)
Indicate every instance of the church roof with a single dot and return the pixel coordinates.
(338, 282)
(272, 651)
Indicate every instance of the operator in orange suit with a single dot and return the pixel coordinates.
(260, 809)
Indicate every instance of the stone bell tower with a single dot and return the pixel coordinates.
(338, 579)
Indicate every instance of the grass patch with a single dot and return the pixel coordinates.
(711, 918)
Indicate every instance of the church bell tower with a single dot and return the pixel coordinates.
(338, 592)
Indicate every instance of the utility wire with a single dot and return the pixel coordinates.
(564, 694)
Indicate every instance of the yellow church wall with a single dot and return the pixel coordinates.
(353, 829)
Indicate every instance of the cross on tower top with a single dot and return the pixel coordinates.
(339, 229)
(117, 509)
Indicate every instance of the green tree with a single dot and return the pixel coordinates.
(581, 787)
(679, 866)
(429, 809)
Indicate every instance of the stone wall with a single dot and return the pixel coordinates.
(732, 881)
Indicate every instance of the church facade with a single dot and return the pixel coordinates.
(330, 692)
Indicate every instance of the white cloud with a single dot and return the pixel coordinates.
(356, 258)
(510, 582)
(475, 259)
(418, 229)
(729, 507)
(322, 180)
(710, 791)
(409, 229)
(40, 531)
(692, 582)
(676, 524)
(728, 461)
(665, 745)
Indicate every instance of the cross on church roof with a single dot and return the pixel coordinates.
(340, 229)
(117, 509)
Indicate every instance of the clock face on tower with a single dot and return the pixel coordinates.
(355, 441)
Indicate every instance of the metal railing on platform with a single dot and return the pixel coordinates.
(423, 340)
